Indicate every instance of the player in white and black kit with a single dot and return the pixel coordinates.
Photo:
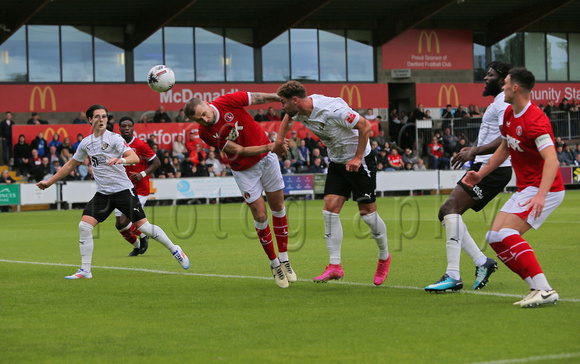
(352, 169)
(463, 198)
(108, 153)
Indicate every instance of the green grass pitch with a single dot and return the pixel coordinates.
(227, 308)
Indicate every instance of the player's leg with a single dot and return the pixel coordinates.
(333, 235)
(128, 203)
(124, 227)
(96, 210)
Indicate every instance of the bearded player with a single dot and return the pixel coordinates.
(139, 176)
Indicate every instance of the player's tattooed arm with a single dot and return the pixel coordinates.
(263, 98)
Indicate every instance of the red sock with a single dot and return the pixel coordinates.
(504, 254)
(133, 230)
(266, 239)
(128, 235)
(523, 253)
(280, 225)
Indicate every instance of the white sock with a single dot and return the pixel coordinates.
(283, 256)
(541, 283)
(379, 230)
(530, 282)
(158, 234)
(332, 235)
(274, 263)
(86, 245)
(454, 231)
(471, 248)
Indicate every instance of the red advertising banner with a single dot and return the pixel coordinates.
(139, 97)
(441, 94)
(441, 49)
(165, 133)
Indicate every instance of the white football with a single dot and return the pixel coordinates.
(161, 78)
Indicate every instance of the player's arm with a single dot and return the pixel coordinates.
(257, 98)
(69, 166)
(234, 148)
(364, 128)
(151, 167)
(129, 157)
(468, 153)
(551, 166)
(501, 154)
(285, 127)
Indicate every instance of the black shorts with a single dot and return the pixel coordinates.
(489, 187)
(362, 184)
(101, 206)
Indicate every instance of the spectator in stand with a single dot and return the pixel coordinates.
(460, 112)
(474, 111)
(447, 113)
(67, 145)
(565, 156)
(176, 163)
(82, 170)
(408, 167)
(375, 149)
(43, 170)
(383, 161)
(179, 148)
(393, 113)
(218, 168)
(181, 117)
(151, 141)
(395, 160)
(5, 178)
(439, 137)
(161, 116)
(166, 170)
(259, 117)
(22, 155)
(55, 142)
(188, 168)
(6, 136)
(435, 152)
(380, 138)
(409, 157)
(317, 166)
(54, 156)
(295, 138)
(310, 142)
(370, 115)
(34, 120)
(65, 156)
(287, 167)
(404, 117)
(202, 169)
(317, 154)
(303, 153)
(419, 166)
(191, 142)
(111, 123)
(577, 160)
(574, 106)
(76, 144)
(143, 119)
(272, 116)
(460, 145)
(428, 115)
(558, 142)
(564, 105)
(550, 107)
(394, 126)
(198, 155)
(577, 151)
(34, 162)
(419, 113)
(81, 119)
(450, 141)
(292, 153)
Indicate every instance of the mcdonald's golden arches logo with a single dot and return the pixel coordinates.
(350, 93)
(42, 93)
(448, 91)
(428, 41)
(49, 132)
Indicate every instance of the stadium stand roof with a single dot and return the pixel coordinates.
(388, 18)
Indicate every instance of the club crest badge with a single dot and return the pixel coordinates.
(519, 130)
(104, 146)
(229, 117)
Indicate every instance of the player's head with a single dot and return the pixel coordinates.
(291, 93)
(126, 127)
(97, 115)
(200, 112)
(494, 79)
(519, 81)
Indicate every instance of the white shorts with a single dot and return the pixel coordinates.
(514, 205)
(142, 199)
(262, 176)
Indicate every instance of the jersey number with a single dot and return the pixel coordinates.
(95, 161)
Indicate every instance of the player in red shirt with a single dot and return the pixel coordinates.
(139, 175)
(528, 139)
(227, 126)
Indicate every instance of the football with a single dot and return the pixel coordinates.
(161, 78)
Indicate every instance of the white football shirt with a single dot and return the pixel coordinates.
(110, 179)
(332, 120)
(490, 128)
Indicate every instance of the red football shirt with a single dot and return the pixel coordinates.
(236, 124)
(521, 133)
(145, 155)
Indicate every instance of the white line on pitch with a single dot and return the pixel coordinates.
(533, 358)
(265, 278)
